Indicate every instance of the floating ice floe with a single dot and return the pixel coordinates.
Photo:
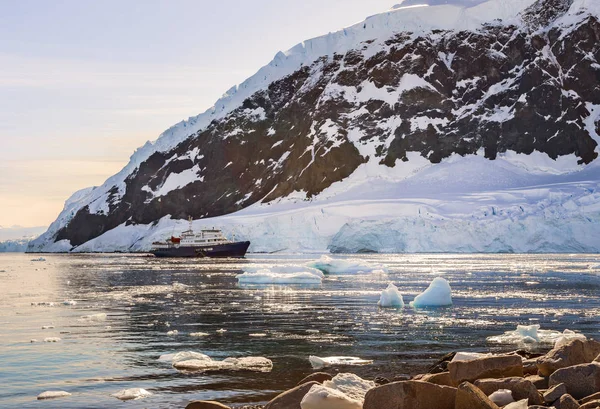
(502, 397)
(173, 332)
(38, 259)
(199, 334)
(438, 294)
(182, 356)
(322, 362)
(281, 275)
(221, 331)
(94, 317)
(344, 391)
(250, 363)
(47, 326)
(51, 339)
(532, 334)
(330, 265)
(258, 335)
(69, 302)
(391, 298)
(132, 394)
(53, 395)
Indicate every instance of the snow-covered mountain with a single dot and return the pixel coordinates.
(470, 126)
(16, 238)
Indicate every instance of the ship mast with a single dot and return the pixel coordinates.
(190, 221)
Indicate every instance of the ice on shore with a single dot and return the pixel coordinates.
(53, 395)
(532, 334)
(502, 397)
(438, 294)
(391, 298)
(344, 391)
(132, 394)
(468, 356)
(281, 275)
(322, 362)
(194, 361)
(330, 265)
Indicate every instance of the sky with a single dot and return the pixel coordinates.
(83, 84)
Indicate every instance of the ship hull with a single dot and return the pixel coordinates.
(237, 250)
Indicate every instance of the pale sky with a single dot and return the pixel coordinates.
(83, 83)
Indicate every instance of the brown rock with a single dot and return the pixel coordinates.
(575, 352)
(597, 358)
(530, 366)
(442, 378)
(580, 380)
(566, 402)
(410, 394)
(595, 396)
(540, 382)
(206, 404)
(498, 366)
(521, 388)
(290, 399)
(469, 396)
(593, 404)
(540, 407)
(555, 393)
(316, 377)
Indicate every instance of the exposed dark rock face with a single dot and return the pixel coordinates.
(523, 89)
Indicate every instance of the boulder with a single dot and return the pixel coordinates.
(597, 358)
(575, 352)
(468, 396)
(316, 377)
(206, 404)
(442, 378)
(593, 404)
(410, 394)
(581, 380)
(566, 402)
(595, 396)
(290, 399)
(530, 366)
(555, 393)
(494, 366)
(521, 388)
(540, 382)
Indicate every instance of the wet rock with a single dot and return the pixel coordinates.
(530, 366)
(442, 378)
(496, 366)
(316, 377)
(442, 364)
(595, 396)
(555, 393)
(410, 394)
(380, 380)
(573, 353)
(206, 404)
(521, 388)
(566, 402)
(290, 399)
(593, 404)
(580, 380)
(469, 396)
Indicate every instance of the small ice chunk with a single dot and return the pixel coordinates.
(94, 317)
(258, 335)
(532, 334)
(329, 265)
(322, 397)
(47, 326)
(522, 404)
(53, 395)
(567, 336)
(132, 394)
(438, 294)
(391, 298)
(173, 332)
(51, 339)
(250, 363)
(221, 331)
(69, 302)
(33, 340)
(468, 356)
(502, 397)
(322, 362)
(38, 259)
(281, 275)
(183, 356)
(199, 334)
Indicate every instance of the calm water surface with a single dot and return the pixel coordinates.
(143, 301)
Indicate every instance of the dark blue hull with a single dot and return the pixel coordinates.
(221, 250)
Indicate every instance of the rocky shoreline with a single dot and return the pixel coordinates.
(567, 377)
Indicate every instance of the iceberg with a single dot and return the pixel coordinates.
(391, 298)
(318, 362)
(132, 394)
(281, 275)
(438, 294)
(330, 265)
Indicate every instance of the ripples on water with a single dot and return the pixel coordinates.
(143, 301)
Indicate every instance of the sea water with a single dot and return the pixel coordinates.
(115, 315)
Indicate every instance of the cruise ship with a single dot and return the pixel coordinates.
(206, 243)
